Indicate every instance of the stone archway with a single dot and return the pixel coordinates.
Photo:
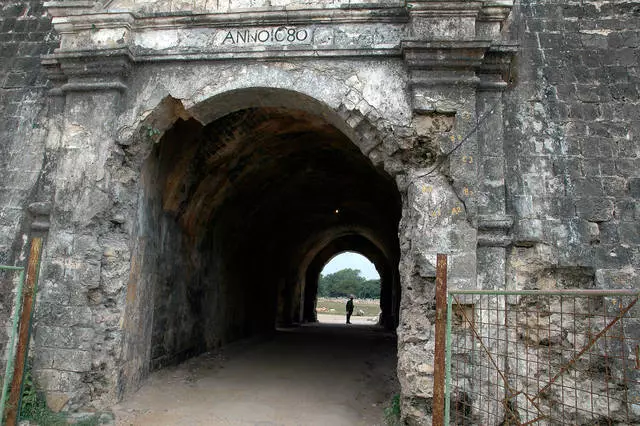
(385, 263)
(230, 209)
(176, 174)
(403, 91)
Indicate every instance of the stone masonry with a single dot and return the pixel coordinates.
(25, 34)
(170, 140)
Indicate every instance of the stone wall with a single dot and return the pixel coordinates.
(572, 163)
(572, 126)
(25, 34)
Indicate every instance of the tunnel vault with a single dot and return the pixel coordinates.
(238, 214)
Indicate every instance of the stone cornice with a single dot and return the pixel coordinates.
(445, 63)
(444, 54)
(88, 71)
(69, 7)
(494, 231)
(495, 12)
(494, 71)
(445, 9)
(55, 75)
(92, 20)
(498, 58)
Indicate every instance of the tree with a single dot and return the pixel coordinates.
(370, 290)
(346, 282)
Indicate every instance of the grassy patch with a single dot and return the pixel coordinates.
(371, 307)
(34, 408)
(392, 412)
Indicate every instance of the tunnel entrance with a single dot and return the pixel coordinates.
(238, 216)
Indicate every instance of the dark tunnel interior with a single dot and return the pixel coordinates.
(242, 214)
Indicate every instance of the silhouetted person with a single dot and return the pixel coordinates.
(349, 309)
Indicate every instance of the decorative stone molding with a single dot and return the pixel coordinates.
(104, 44)
(445, 9)
(491, 18)
(40, 211)
(434, 63)
(88, 71)
(450, 64)
(455, 43)
(55, 74)
(494, 231)
(69, 7)
(494, 71)
(98, 46)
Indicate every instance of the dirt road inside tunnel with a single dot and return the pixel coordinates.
(317, 374)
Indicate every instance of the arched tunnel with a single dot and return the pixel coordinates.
(241, 214)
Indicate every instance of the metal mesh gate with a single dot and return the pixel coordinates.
(543, 357)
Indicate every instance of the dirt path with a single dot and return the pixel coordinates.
(340, 319)
(321, 374)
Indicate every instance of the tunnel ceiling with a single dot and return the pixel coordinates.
(273, 168)
(274, 174)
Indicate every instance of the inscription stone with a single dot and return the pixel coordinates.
(279, 35)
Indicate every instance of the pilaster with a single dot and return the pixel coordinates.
(494, 226)
(78, 289)
(462, 73)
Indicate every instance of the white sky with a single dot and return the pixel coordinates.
(352, 260)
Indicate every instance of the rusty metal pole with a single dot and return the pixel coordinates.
(30, 288)
(441, 325)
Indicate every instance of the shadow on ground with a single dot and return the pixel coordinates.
(317, 374)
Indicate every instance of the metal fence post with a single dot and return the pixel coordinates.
(14, 331)
(24, 332)
(439, 362)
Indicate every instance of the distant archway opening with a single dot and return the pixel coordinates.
(348, 275)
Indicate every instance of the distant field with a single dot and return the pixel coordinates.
(371, 307)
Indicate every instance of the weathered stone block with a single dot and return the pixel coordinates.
(617, 278)
(630, 232)
(53, 289)
(491, 267)
(64, 337)
(64, 316)
(56, 401)
(614, 186)
(595, 209)
(588, 187)
(560, 206)
(634, 188)
(56, 380)
(609, 232)
(64, 359)
(612, 257)
(528, 231)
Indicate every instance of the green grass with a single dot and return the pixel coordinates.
(392, 412)
(34, 408)
(370, 307)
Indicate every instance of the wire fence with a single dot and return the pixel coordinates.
(543, 357)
